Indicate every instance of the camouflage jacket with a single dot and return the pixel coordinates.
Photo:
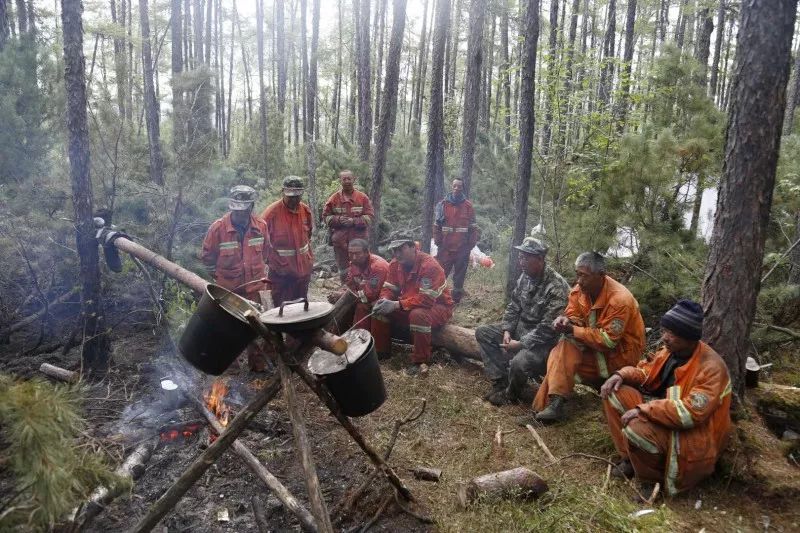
(533, 307)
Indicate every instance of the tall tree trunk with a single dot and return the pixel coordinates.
(717, 49)
(364, 82)
(388, 111)
(793, 101)
(456, 33)
(198, 33)
(607, 69)
(337, 90)
(262, 93)
(552, 82)
(22, 17)
(486, 93)
(95, 347)
(178, 117)
(421, 72)
(4, 34)
(566, 91)
(248, 92)
(281, 55)
(434, 161)
(627, 61)
(150, 102)
(120, 69)
(230, 81)
(472, 90)
(697, 202)
(702, 50)
(208, 40)
(505, 75)
(130, 68)
(379, 66)
(530, 32)
(680, 27)
(733, 271)
(311, 99)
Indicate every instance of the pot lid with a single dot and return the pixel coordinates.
(322, 363)
(296, 312)
(752, 365)
(230, 302)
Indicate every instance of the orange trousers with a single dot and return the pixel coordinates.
(566, 361)
(419, 321)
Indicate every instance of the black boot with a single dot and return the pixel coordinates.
(498, 385)
(554, 412)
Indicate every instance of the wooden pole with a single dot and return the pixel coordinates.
(207, 458)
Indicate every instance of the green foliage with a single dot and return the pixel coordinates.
(53, 470)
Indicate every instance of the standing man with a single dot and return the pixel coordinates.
(602, 331)
(365, 278)
(455, 234)
(348, 214)
(234, 254)
(669, 416)
(517, 348)
(415, 295)
(288, 246)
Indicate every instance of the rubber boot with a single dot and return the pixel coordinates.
(554, 412)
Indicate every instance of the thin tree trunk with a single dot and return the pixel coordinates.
(120, 71)
(230, 82)
(793, 99)
(627, 61)
(208, 40)
(95, 340)
(680, 27)
(456, 33)
(487, 84)
(198, 32)
(379, 67)
(262, 93)
(130, 68)
(552, 81)
(248, 93)
(22, 17)
(472, 90)
(178, 121)
(388, 111)
(4, 33)
(505, 75)
(702, 50)
(717, 50)
(607, 69)
(434, 162)
(311, 98)
(530, 31)
(364, 82)
(281, 55)
(150, 102)
(733, 271)
(416, 104)
(337, 91)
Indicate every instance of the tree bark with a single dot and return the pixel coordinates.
(337, 90)
(364, 82)
(150, 103)
(262, 93)
(388, 112)
(680, 26)
(530, 31)
(793, 99)
(280, 47)
(472, 90)
(505, 75)
(94, 350)
(311, 99)
(434, 162)
(178, 117)
(733, 271)
(607, 69)
(552, 41)
(627, 61)
(379, 63)
(717, 49)
(702, 50)
(120, 68)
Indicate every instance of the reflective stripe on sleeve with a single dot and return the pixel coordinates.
(615, 403)
(607, 340)
(229, 245)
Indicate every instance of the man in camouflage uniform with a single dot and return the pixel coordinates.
(517, 348)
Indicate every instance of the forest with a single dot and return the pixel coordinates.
(662, 134)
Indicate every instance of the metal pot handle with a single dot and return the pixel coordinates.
(303, 299)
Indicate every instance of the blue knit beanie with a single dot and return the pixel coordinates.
(685, 320)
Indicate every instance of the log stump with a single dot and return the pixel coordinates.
(519, 482)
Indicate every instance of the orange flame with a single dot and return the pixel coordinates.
(215, 400)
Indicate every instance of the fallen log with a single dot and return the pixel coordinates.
(518, 482)
(426, 474)
(61, 374)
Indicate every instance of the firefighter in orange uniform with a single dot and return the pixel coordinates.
(235, 251)
(669, 416)
(289, 253)
(415, 295)
(602, 331)
(348, 214)
(365, 278)
(455, 234)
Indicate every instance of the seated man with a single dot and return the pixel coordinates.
(415, 295)
(669, 416)
(364, 278)
(603, 331)
(517, 348)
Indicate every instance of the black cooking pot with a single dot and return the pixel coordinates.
(218, 331)
(355, 378)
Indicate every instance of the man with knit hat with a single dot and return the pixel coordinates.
(669, 416)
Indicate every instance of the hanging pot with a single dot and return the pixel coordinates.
(298, 316)
(218, 331)
(355, 378)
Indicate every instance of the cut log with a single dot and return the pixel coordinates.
(61, 374)
(518, 482)
(426, 474)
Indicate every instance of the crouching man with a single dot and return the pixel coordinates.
(414, 296)
(517, 348)
(364, 278)
(669, 416)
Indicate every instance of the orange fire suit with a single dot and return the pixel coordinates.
(358, 208)
(455, 233)
(367, 284)
(425, 303)
(608, 334)
(289, 253)
(233, 261)
(676, 439)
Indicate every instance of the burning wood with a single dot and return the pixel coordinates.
(179, 433)
(215, 401)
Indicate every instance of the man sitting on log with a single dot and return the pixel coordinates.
(602, 331)
(517, 348)
(365, 277)
(669, 416)
(415, 295)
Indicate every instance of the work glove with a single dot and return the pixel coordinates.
(385, 307)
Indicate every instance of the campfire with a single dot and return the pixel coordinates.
(179, 433)
(215, 401)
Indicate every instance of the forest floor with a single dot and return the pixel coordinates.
(755, 487)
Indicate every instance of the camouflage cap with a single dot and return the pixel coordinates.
(399, 241)
(242, 198)
(532, 246)
(293, 186)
